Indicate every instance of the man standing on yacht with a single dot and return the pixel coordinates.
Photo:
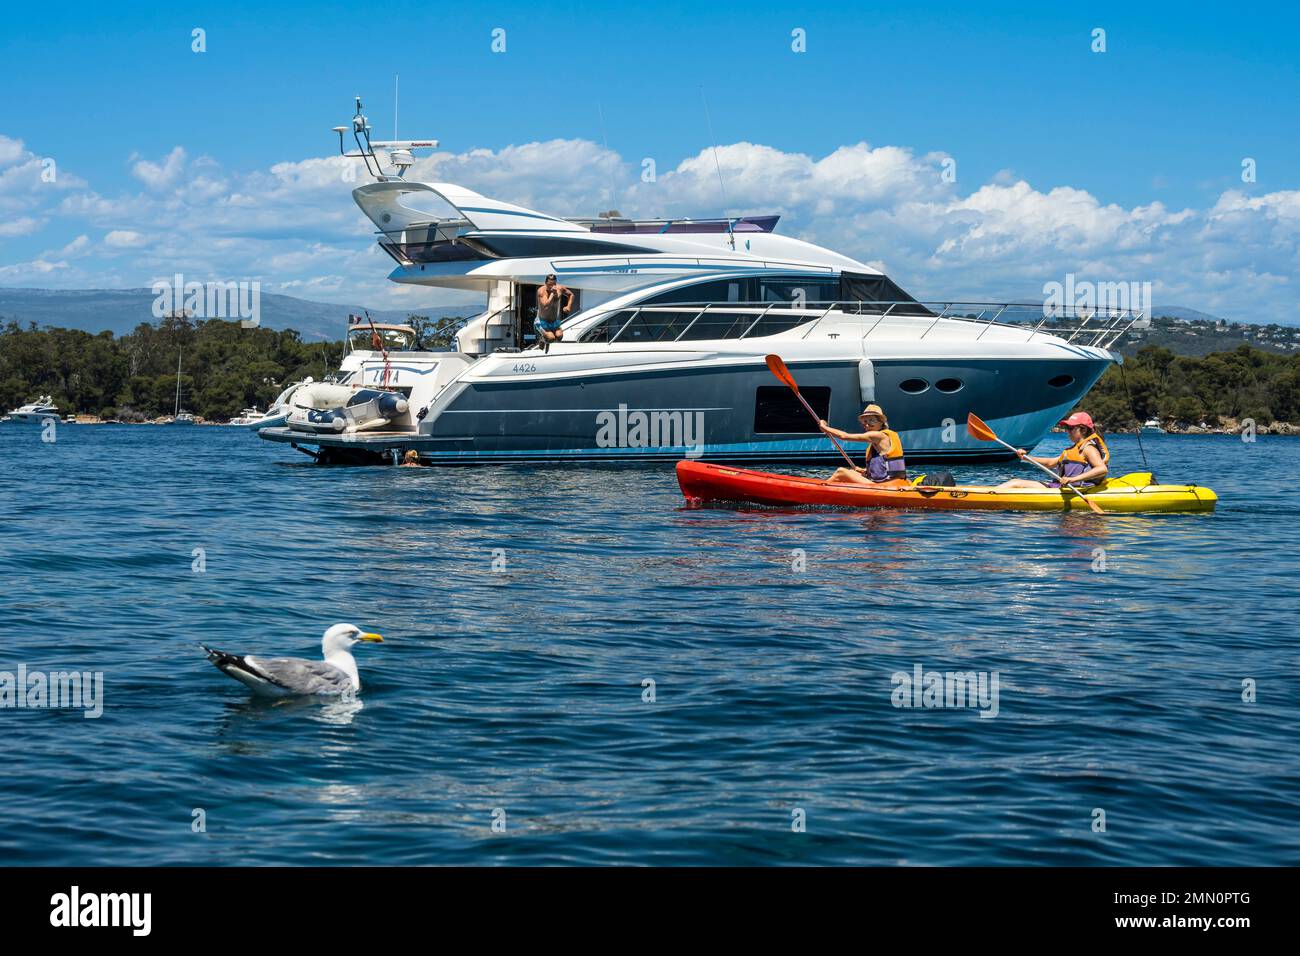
(549, 312)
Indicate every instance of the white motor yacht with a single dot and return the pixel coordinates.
(663, 349)
(35, 413)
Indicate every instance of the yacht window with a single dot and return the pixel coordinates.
(720, 290)
(914, 386)
(691, 325)
(949, 385)
(775, 322)
(1060, 381)
(394, 340)
(644, 326)
(800, 289)
(719, 325)
(778, 412)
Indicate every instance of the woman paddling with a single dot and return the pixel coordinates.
(1084, 463)
(884, 450)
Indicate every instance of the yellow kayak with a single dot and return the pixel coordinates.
(701, 481)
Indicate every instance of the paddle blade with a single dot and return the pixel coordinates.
(978, 429)
(777, 367)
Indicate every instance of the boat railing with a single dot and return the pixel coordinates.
(1098, 327)
(487, 321)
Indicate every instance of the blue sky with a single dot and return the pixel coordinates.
(1012, 92)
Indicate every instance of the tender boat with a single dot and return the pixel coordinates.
(704, 482)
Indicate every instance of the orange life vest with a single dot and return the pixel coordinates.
(1074, 463)
(889, 466)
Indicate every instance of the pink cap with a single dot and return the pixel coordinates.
(1078, 418)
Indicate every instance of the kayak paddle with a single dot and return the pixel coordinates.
(779, 369)
(981, 431)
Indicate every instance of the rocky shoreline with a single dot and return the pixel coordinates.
(95, 420)
(1225, 427)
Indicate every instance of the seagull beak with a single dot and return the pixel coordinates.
(374, 638)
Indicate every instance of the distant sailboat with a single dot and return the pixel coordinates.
(179, 417)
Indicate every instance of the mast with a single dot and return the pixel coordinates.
(177, 410)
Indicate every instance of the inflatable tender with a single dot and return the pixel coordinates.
(366, 409)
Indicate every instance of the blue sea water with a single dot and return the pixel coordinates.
(514, 693)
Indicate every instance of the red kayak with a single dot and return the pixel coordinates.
(702, 481)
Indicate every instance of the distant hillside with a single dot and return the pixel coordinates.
(1198, 337)
(1183, 312)
(121, 310)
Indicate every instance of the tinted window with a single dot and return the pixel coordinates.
(689, 325)
(773, 323)
(644, 326)
(719, 325)
(720, 290)
(800, 289)
(777, 411)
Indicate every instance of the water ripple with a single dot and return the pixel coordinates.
(525, 610)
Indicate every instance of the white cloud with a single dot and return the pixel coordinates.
(22, 226)
(161, 175)
(293, 226)
(124, 239)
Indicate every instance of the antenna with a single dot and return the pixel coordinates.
(613, 178)
(399, 150)
(731, 236)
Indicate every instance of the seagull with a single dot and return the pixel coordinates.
(294, 676)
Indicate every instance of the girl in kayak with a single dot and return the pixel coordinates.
(884, 450)
(1083, 463)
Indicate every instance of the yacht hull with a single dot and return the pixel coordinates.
(714, 410)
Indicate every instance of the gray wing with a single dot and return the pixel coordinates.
(300, 676)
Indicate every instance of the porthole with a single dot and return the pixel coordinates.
(1061, 381)
(949, 385)
(914, 386)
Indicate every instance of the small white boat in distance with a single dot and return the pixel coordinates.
(180, 417)
(35, 413)
(1152, 426)
(247, 417)
(278, 412)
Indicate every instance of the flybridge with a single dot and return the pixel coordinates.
(485, 228)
